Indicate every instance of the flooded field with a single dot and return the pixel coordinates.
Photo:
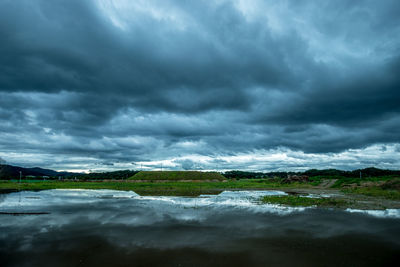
(120, 228)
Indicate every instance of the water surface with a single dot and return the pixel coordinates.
(119, 228)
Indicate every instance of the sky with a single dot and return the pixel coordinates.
(253, 85)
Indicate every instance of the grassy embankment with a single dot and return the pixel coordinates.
(387, 187)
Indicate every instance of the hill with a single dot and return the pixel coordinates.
(177, 175)
(117, 175)
(8, 172)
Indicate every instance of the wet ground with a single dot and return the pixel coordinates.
(117, 228)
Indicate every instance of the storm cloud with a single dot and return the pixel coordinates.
(116, 83)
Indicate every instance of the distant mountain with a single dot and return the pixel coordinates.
(8, 172)
(42, 171)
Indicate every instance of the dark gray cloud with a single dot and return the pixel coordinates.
(122, 82)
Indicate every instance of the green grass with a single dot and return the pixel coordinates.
(348, 181)
(316, 180)
(177, 175)
(384, 187)
(299, 201)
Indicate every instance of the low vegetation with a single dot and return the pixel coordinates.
(367, 181)
(387, 187)
(375, 191)
(301, 201)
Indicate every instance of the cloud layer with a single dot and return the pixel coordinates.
(121, 82)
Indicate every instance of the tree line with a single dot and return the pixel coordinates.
(367, 172)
